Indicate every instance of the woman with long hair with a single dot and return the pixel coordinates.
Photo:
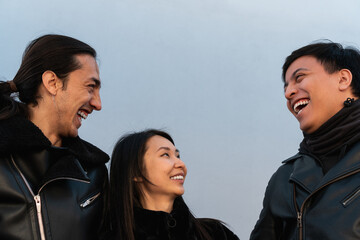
(146, 185)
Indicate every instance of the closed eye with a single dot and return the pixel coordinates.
(91, 87)
(299, 77)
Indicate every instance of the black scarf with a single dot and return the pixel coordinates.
(333, 139)
(19, 134)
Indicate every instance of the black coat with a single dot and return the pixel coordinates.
(48, 192)
(302, 203)
(158, 225)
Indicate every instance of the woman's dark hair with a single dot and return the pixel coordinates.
(333, 57)
(52, 52)
(127, 163)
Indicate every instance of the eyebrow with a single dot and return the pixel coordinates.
(293, 75)
(166, 148)
(97, 82)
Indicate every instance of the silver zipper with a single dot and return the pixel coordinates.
(37, 202)
(90, 200)
(300, 213)
(38, 208)
(37, 197)
(352, 197)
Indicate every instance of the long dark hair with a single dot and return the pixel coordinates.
(49, 52)
(126, 164)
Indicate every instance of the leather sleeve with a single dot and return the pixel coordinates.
(268, 227)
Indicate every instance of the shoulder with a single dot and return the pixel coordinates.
(217, 229)
(287, 167)
(87, 153)
(279, 181)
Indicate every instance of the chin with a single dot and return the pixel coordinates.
(74, 133)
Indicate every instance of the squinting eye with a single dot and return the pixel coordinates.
(298, 78)
(165, 154)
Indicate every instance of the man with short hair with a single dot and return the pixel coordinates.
(315, 194)
(52, 183)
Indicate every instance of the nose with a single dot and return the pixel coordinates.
(179, 163)
(290, 91)
(95, 101)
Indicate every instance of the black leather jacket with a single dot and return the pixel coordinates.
(302, 203)
(47, 192)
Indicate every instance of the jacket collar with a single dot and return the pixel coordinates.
(45, 166)
(19, 134)
(308, 173)
(158, 223)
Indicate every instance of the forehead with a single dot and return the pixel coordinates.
(304, 62)
(87, 62)
(89, 70)
(156, 142)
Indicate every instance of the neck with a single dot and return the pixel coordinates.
(41, 120)
(158, 203)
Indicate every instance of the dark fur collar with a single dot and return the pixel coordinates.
(19, 134)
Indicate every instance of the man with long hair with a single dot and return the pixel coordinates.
(52, 183)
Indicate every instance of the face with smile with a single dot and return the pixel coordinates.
(313, 95)
(164, 169)
(79, 97)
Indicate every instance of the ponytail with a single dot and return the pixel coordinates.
(9, 106)
(49, 52)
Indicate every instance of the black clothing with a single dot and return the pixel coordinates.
(304, 199)
(158, 225)
(333, 139)
(48, 192)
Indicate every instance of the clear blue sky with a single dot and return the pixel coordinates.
(208, 72)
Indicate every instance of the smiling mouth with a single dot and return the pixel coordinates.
(300, 105)
(82, 115)
(177, 177)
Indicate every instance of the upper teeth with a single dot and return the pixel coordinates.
(82, 114)
(179, 177)
(299, 103)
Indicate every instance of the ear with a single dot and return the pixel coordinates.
(51, 82)
(138, 179)
(345, 79)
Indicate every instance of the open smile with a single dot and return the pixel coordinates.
(177, 177)
(82, 114)
(300, 105)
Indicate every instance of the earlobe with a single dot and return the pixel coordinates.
(345, 79)
(50, 82)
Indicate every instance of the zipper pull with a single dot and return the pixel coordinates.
(38, 203)
(39, 215)
(90, 200)
(299, 219)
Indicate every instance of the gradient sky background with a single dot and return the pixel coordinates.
(206, 71)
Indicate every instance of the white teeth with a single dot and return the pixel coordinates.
(82, 114)
(300, 103)
(179, 177)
